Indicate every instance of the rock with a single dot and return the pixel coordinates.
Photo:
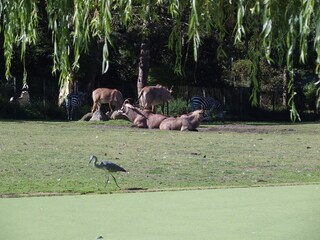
(99, 116)
(86, 117)
(118, 115)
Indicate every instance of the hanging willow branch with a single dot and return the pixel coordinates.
(218, 14)
(239, 24)
(176, 36)
(19, 29)
(60, 22)
(101, 28)
(305, 22)
(125, 11)
(283, 22)
(193, 30)
(81, 33)
(316, 24)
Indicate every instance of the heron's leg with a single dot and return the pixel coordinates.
(115, 181)
(107, 180)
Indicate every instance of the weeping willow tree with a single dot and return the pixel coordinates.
(281, 29)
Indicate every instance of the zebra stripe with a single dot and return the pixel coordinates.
(74, 101)
(209, 104)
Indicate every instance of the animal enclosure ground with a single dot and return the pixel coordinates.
(230, 127)
(244, 128)
(48, 158)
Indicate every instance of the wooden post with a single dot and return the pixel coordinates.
(14, 86)
(284, 87)
(273, 101)
(44, 99)
(15, 95)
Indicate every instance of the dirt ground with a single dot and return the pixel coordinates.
(238, 128)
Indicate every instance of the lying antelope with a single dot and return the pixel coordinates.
(151, 96)
(185, 122)
(107, 95)
(141, 118)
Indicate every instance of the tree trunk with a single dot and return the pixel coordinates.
(144, 59)
(144, 64)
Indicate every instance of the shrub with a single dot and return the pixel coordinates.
(178, 106)
(310, 93)
(35, 111)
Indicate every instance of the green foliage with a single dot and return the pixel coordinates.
(305, 16)
(176, 35)
(19, 20)
(241, 72)
(81, 33)
(101, 27)
(193, 30)
(37, 110)
(178, 106)
(239, 24)
(59, 21)
(310, 93)
(271, 77)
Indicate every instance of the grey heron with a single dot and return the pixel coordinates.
(107, 166)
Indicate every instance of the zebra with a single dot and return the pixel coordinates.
(73, 103)
(209, 104)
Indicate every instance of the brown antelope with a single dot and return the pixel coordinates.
(141, 118)
(107, 95)
(185, 122)
(151, 96)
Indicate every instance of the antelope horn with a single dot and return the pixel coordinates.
(127, 100)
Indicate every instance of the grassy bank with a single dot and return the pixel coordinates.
(52, 157)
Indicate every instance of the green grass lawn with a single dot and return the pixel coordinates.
(266, 213)
(52, 157)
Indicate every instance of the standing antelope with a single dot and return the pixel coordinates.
(107, 95)
(151, 96)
